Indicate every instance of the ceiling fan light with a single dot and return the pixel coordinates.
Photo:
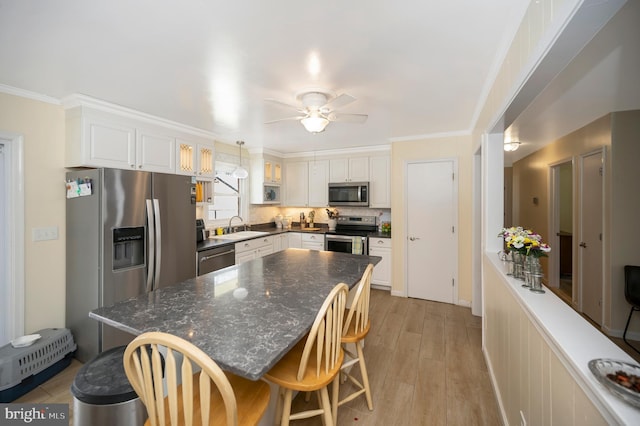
(314, 124)
(511, 146)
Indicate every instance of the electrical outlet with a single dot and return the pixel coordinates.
(523, 421)
(44, 234)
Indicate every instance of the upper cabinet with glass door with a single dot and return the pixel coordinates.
(266, 179)
(272, 170)
(195, 159)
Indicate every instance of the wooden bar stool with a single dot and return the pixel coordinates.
(313, 363)
(232, 400)
(355, 329)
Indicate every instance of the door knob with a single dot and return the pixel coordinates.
(583, 244)
(413, 238)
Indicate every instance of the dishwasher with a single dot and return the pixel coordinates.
(216, 258)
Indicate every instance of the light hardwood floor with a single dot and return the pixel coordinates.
(425, 366)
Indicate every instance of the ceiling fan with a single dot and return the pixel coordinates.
(317, 108)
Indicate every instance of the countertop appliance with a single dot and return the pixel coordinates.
(351, 234)
(354, 194)
(201, 231)
(216, 258)
(133, 234)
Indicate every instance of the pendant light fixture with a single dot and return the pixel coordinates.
(240, 172)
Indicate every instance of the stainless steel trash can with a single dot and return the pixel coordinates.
(102, 394)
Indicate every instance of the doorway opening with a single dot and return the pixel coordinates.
(11, 237)
(562, 228)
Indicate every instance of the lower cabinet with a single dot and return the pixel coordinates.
(253, 249)
(313, 241)
(280, 242)
(382, 272)
(294, 239)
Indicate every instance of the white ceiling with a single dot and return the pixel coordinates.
(416, 67)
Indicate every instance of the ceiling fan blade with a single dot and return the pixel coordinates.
(339, 102)
(285, 104)
(348, 118)
(298, 117)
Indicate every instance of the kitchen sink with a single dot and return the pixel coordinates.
(239, 235)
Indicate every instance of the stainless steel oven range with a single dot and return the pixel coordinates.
(351, 234)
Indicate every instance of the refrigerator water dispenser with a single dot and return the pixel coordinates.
(128, 247)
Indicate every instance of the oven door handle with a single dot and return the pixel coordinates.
(339, 237)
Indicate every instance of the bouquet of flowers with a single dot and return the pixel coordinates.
(524, 241)
(333, 214)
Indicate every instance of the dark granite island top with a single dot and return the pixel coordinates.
(247, 316)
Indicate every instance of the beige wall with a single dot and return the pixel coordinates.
(42, 126)
(458, 147)
(624, 213)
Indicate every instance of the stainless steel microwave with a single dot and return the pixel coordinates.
(349, 194)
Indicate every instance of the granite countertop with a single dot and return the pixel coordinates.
(272, 230)
(247, 316)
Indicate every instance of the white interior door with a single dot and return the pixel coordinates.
(590, 246)
(431, 234)
(4, 282)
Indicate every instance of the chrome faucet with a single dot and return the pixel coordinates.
(229, 227)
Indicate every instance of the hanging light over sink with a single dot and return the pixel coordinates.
(240, 172)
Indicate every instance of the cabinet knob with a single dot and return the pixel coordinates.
(140, 166)
(133, 166)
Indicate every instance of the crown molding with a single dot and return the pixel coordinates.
(267, 151)
(84, 101)
(342, 151)
(432, 136)
(10, 90)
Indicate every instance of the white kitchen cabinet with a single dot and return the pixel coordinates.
(350, 169)
(266, 180)
(294, 239)
(195, 159)
(253, 249)
(110, 137)
(98, 141)
(380, 182)
(280, 242)
(318, 183)
(155, 151)
(272, 170)
(312, 241)
(382, 271)
(297, 184)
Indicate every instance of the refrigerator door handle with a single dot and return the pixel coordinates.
(151, 247)
(156, 212)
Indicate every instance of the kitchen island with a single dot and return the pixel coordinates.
(247, 316)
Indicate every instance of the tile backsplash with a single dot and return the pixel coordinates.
(263, 214)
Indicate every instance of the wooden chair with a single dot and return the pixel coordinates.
(313, 363)
(355, 329)
(232, 400)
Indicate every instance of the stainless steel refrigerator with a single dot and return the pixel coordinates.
(133, 234)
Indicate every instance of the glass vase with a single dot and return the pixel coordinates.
(535, 274)
(518, 265)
